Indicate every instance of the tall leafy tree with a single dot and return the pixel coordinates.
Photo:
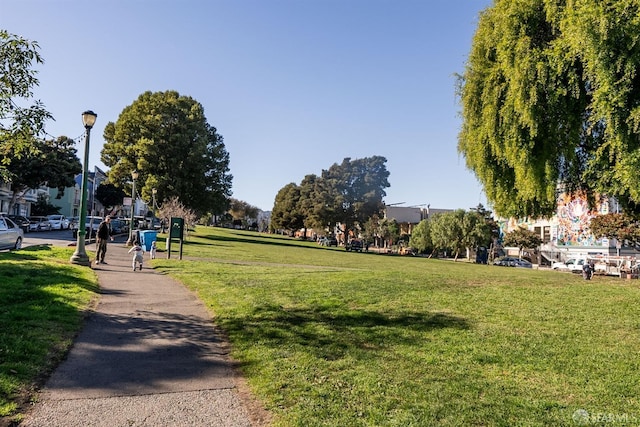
(447, 231)
(167, 139)
(487, 215)
(315, 203)
(243, 211)
(22, 119)
(388, 231)
(620, 226)
(42, 207)
(109, 195)
(286, 213)
(421, 236)
(550, 96)
(347, 194)
(475, 230)
(52, 163)
(522, 238)
(371, 229)
(458, 230)
(353, 190)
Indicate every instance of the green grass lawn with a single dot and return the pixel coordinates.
(42, 300)
(330, 338)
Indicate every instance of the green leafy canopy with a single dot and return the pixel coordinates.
(166, 138)
(551, 96)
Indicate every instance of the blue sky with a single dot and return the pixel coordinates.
(293, 86)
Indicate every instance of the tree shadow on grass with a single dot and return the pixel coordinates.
(25, 254)
(37, 314)
(336, 333)
(145, 353)
(32, 279)
(266, 240)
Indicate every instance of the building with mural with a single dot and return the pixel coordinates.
(567, 233)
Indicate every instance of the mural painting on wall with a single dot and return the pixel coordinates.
(573, 218)
(511, 224)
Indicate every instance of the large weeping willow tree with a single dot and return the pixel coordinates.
(551, 99)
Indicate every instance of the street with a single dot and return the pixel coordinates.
(54, 237)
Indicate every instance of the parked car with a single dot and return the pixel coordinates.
(21, 221)
(156, 223)
(354, 245)
(58, 222)
(73, 222)
(91, 225)
(39, 223)
(10, 234)
(513, 262)
(119, 226)
(328, 241)
(573, 264)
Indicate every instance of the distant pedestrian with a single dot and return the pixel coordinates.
(152, 252)
(102, 237)
(138, 251)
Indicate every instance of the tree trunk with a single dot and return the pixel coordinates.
(16, 193)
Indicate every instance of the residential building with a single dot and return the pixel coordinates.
(70, 204)
(22, 205)
(408, 217)
(65, 201)
(567, 234)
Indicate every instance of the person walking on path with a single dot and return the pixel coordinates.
(152, 252)
(102, 237)
(138, 252)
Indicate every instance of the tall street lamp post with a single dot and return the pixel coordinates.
(154, 192)
(80, 256)
(134, 176)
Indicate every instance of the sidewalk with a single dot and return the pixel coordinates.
(149, 355)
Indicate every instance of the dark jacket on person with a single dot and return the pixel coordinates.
(104, 230)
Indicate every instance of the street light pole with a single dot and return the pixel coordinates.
(134, 176)
(154, 192)
(80, 256)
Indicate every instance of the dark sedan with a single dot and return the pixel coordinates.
(354, 245)
(513, 262)
(21, 221)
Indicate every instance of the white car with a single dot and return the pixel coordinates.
(58, 222)
(573, 264)
(39, 223)
(91, 225)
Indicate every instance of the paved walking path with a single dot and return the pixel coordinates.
(149, 355)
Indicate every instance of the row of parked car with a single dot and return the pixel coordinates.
(118, 225)
(40, 223)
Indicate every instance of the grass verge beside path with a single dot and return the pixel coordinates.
(328, 338)
(42, 301)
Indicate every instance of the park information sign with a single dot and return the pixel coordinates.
(176, 231)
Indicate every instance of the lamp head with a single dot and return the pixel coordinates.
(89, 119)
(134, 174)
